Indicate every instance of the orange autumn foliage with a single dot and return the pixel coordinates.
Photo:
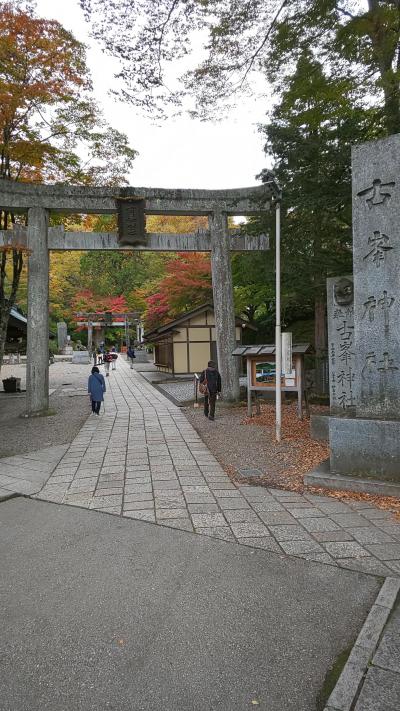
(42, 67)
(186, 284)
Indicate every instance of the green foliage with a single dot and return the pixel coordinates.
(353, 39)
(53, 346)
(309, 138)
(115, 273)
(254, 287)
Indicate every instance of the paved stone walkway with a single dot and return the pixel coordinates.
(142, 459)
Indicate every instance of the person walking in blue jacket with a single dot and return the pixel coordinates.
(96, 389)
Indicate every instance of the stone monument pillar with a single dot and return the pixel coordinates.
(61, 335)
(365, 443)
(223, 305)
(37, 366)
(376, 250)
(341, 350)
(369, 444)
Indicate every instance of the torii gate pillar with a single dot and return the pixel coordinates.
(37, 368)
(224, 309)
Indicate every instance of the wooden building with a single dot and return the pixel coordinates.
(16, 332)
(185, 345)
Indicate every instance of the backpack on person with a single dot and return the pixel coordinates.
(203, 387)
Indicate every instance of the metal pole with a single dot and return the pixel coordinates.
(278, 338)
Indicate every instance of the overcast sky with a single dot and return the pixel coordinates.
(181, 153)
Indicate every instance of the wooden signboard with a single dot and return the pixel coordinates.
(131, 221)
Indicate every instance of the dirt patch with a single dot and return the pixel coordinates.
(19, 435)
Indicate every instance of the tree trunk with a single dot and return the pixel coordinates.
(321, 343)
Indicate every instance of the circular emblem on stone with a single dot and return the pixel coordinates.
(343, 292)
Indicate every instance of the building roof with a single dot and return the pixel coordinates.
(14, 313)
(269, 349)
(171, 326)
(17, 325)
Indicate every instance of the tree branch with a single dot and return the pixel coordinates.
(263, 43)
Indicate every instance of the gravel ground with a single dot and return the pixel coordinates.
(69, 401)
(183, 392)
(237, 446)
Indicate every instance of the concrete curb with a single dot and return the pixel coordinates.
(350, 681)
(10, 495)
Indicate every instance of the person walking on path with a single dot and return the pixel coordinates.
(131, 355)
(114, 356)
(96, 389)
(210, 378)
(107, 361)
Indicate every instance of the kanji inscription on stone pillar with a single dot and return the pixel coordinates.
(342, 372)
(376, 257)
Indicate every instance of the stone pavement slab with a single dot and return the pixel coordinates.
(142, 459)
(380, 692)
(370, 679)
(26, 473)
(102, 612)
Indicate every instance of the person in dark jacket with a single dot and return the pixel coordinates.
(131, 355)
(96, 389)
(213, 378)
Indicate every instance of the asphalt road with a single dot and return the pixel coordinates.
(100, 612)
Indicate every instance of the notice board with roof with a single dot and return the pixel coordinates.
(260, 362)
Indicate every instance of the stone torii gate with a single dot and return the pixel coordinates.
(38, 201)
(102, 319)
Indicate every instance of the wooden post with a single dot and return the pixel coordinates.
(224, 311)
(37, 366)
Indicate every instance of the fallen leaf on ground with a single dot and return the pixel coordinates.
(299, 454)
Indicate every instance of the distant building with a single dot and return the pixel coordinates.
(16, 330)
(185, 345)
